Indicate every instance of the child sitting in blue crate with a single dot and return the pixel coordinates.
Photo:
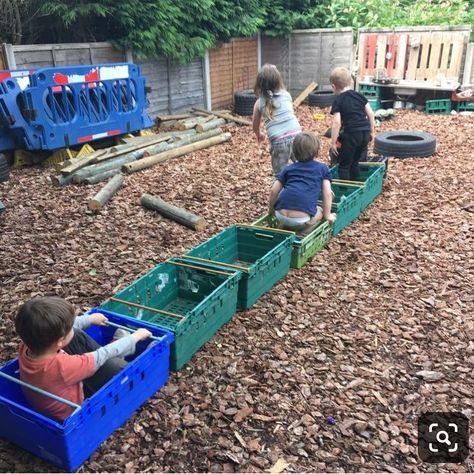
(297, 189)
(58, 357)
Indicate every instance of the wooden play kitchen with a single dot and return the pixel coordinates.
(405, 62)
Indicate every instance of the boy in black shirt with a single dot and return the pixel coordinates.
(351, 111)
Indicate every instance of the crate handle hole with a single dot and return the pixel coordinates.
(103, 411)
(130, 385)
(116, 399)
(142, 375)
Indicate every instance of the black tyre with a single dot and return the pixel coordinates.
(321, 98)
(4, 168)
(244, 102)
(405, 144)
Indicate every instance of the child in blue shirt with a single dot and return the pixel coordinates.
(297, 189)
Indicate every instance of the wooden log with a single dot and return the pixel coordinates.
(164, 118)
(86, 160)
(308, 89)
(181, 141)
(191, 123)
(229, 117)
(178, 214)
(62, 179)
(168, 125)
(80, 175)
(204, 127)
(166, 155)
(97, 178)
(104, 195)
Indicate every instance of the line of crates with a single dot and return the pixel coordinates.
(57, 107)
(183, 302)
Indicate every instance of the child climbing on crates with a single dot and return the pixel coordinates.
(297, 189)
(58, 357)
(350, 110)
(275, 106)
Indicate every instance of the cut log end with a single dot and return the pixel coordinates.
(200, 225)
(93, 205)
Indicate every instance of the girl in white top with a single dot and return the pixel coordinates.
(275, 106)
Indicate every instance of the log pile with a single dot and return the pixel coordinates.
(177, 135)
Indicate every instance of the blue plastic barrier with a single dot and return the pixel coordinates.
(70, 443)
(64, 106)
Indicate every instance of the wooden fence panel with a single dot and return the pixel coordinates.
(233, 67)
(308, 55)
(34, 56)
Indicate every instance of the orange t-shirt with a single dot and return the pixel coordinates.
(61, 374)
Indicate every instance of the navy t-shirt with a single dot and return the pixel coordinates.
(302, 183)
(351, 105)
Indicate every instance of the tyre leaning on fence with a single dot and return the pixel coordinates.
(4, 168)
(321, 98)
(244, 102)
(405, 144)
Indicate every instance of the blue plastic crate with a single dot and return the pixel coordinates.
(68, 444)
(263, 256)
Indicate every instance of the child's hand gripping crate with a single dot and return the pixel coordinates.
(347, 204)
(371, 175)
(263, 256)
(191, 301)
(68, 444)
(303, 247)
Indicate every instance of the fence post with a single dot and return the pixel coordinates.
(259, 50)
(207, 82)
(9, 56)
(468, 63)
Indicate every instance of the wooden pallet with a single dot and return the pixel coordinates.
(419, 54)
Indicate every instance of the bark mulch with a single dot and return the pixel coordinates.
(375, 330)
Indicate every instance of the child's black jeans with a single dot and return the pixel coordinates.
(82, 343)
(353, 146)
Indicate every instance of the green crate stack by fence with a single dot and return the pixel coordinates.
(263, 256)
(303, 247)
(375, 104)
(193, 302)
(465, 106)
(346, 203)
(371, 176)
(370, 92)
(438, 106)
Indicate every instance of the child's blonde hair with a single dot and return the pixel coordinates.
(340, 77)
(267, 83)
(305, 146)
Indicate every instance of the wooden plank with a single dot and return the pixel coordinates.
(445, 56)
(392, 48)
(468, 76)
(422, 64)
(436, 41)
(309, 88)
(413, 53)
(371, 56)
(381, 51)
(454, 69)
(399, 72)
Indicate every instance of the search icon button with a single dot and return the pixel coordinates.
(443, 437)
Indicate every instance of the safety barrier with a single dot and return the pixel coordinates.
(52, 108)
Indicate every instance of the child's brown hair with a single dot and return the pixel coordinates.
(42, 321)
(305, 146)
(340, 77)
(268, 82)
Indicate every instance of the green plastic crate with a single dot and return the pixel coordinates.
(372, 175)
(346, 203)
(193, 302)
(262, 255)
(464, 106)
(439, 106)
(375, 104)
(370, 92)
(303, 248)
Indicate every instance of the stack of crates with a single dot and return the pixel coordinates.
(372, 94)
(438, 106)
(461, 103)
